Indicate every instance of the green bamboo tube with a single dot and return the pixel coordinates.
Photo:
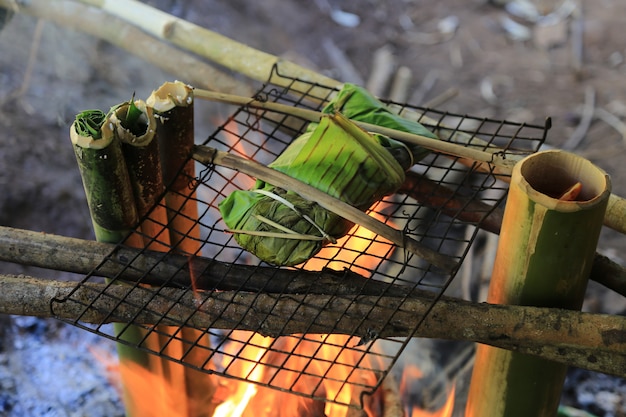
(105, 180)
(545, 253)
(113, 214)
(173, 106)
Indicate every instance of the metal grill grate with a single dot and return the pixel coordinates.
(327, 327)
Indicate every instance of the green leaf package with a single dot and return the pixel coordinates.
(334, 156)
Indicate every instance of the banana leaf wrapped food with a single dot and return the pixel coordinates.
(336, 157)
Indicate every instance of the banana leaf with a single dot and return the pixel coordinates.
(356, 103)
(336, 157)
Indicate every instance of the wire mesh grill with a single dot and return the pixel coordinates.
(326, 327)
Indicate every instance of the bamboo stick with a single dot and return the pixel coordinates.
(590, 341)
(551, 227)
(174, 105)
(503, 164)
(73, 15)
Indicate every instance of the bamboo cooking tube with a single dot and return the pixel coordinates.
(174, 110)
(550, 230)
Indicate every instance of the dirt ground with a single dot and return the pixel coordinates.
(518, 60)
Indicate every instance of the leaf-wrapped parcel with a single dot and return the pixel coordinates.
(336, 157)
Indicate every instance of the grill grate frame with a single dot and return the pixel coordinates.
(304, 363)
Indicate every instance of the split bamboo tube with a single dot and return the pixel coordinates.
(173, 105)
(113, 213)
(135, 126)
(550, 230)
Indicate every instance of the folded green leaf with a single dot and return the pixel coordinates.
(337, 158)
(356, 103)
(89, 122)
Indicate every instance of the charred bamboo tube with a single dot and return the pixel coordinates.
(589, 341)
(173, 102)
(551, 227)
(135, 126)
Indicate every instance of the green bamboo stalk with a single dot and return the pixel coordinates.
(113, 213)
(549, 234)
(184, 65)
(173, 105)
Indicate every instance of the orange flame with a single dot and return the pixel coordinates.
(318, 364)
(361, 250)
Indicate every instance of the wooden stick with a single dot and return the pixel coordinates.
(132, 265)
(492, 155)
(590, 341)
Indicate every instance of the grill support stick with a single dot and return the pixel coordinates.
(591, 341)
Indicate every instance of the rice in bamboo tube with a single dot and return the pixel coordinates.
(550, 230)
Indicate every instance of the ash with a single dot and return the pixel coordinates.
(51, 369)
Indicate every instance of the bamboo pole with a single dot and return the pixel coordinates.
(551, 227)
(590, 341)
(185, 66)
(174, 105)
(217, 48)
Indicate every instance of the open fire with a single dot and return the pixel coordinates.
(336, 375)
(329, 370)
